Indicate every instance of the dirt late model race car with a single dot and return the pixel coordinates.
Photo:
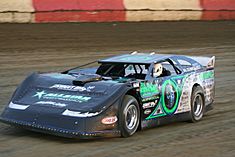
(123, 94)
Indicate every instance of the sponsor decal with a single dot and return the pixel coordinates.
(109, 120)
(79, 114)
(207, 75)
(51, 103)
(148, 90)
(150, 98)
(72, 88)
(147, 111)
(64, 97)
(149, 104)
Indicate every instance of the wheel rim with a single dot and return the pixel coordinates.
(131, 115)
(198, 105)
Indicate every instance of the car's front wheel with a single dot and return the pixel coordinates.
(197, 104)
(129, 117)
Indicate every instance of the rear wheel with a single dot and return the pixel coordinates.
(129, 116)
(197, 104)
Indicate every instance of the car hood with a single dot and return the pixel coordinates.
(57, 90)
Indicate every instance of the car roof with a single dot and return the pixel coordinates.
(137, 58)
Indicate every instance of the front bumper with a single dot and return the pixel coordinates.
(60, 131)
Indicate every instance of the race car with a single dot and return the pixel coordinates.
(125, 93)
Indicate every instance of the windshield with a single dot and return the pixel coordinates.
(137, 71)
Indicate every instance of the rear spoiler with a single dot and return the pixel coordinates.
(208, 62)
(211, 63)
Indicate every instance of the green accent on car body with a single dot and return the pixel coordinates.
(207, 75)
(151, 116)
(162, 103)
(167, 110)
(148, 90)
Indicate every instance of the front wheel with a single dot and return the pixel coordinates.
(129, 116)
(197, 104)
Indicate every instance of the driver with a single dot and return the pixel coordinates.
(158, 69)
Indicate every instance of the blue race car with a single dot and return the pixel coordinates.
(123, 94)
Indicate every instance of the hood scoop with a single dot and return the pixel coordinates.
(83, 79)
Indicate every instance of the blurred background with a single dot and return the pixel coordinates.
(38, 11)
(55, 35)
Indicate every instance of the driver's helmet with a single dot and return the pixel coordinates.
(158, 69)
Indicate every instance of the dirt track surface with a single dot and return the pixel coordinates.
(55, 47)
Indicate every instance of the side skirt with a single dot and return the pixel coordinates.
(145, 124)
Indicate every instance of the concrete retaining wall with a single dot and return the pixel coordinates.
(162, 4)
(37, 11)
(16, 6)
(217, 4)
(68, 5)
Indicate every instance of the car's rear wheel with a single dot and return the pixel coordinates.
(129, 118)
(197, 104)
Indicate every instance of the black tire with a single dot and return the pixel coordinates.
(197, 104)
(129, 113)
